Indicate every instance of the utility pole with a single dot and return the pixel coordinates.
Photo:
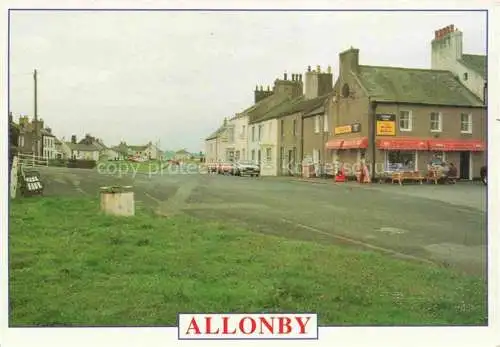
(36, 113)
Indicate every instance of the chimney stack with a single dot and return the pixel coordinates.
(309, 68)
(285, 76)
(318, 68)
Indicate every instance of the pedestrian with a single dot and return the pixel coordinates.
(451, 174)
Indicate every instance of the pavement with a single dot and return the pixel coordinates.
(444, 224)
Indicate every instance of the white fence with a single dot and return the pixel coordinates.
(31, 160)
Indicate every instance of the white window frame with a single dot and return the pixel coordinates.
(260, 131)
(294, 125)
(253, 133)
(325, 123)
(269, 154)
(316, 124)
(410, 121)
(469, 122)
(440, 122)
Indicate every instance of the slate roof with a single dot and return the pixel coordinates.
(82, 147)
(291, 106)
(477, 63)
(137, 148)
(215, 133)
(260, 110)
(420, 86)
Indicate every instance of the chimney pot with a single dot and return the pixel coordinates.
(329, 69)
(318, 68)
(256, 87)
(284, 76)
(309, 68)
(300, 77)
(261, 88)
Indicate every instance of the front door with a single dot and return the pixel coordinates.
(465, 165)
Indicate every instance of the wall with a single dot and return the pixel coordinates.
(314, 142)
(289, 144)
(48, 147)
(269, 141)
(446, 53)
(240, 126)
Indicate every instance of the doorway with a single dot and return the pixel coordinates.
(465, 165)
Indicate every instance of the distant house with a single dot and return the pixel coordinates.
(182, 155)
(168, 155)
(48, 144)
(148, 151)
(62, 150)
(83, 151)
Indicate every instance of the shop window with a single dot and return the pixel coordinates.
(400, 160)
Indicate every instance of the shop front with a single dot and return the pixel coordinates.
(399, 154)
(414, 154)
(347, 152)
(466, 154)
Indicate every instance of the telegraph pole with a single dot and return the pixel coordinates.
(36, 113)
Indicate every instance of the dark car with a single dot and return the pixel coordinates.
(243, 168)
(484, 174)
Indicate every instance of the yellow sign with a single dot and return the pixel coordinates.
(345, 129)
(386, 125)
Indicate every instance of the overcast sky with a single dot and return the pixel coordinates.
(174, 76)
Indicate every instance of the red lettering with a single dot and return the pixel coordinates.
(267, 324)
(225, 326)
(285, 323)
(302, 324)
(253, 325)
(193, 325)
(208, 325)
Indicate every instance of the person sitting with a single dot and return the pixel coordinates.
(451, 174)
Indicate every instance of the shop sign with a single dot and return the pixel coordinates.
(347, 129)
(386, 124)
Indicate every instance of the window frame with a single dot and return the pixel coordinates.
(440, 122)
(469, 122)
(410, 121)
(316, 124)
(325, 124)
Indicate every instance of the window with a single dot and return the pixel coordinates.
(466, 123)
(325, 123)
(253, 154)
(282, 125)
(405, 121)
(260, 132)
(294, 127)
(243, 131)
(316, 124)
(243, 157)
(436, 122)
(466, 76)
(253, 134)
(400, 160)
(21, 141)
(268, 154)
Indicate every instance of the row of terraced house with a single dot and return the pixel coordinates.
(384, 116)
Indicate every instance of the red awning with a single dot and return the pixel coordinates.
(354, 143)
(456, 145)
(403, 144)
(334, 144)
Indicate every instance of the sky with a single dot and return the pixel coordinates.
(172, 77)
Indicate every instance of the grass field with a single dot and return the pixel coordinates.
(72, 266)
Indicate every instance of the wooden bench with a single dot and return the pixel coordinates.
(401, 176)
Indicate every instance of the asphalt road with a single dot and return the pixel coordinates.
(441, 224)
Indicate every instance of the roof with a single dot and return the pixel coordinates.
(137, 148)
(215, 133)
(259, 111)
(291, 106)
(45, 132)
(82, 147)
(477, 63)
(420, 86)
(182, 151)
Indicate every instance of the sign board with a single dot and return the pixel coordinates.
(386, 124)
(347, 129)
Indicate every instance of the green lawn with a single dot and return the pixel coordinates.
(71, 265)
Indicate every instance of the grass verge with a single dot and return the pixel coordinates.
(72, 266)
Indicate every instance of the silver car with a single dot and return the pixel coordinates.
(242, 168)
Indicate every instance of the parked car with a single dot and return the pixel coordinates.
(484, 174)
(242, 168)
(212, 167)
(225, 168)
